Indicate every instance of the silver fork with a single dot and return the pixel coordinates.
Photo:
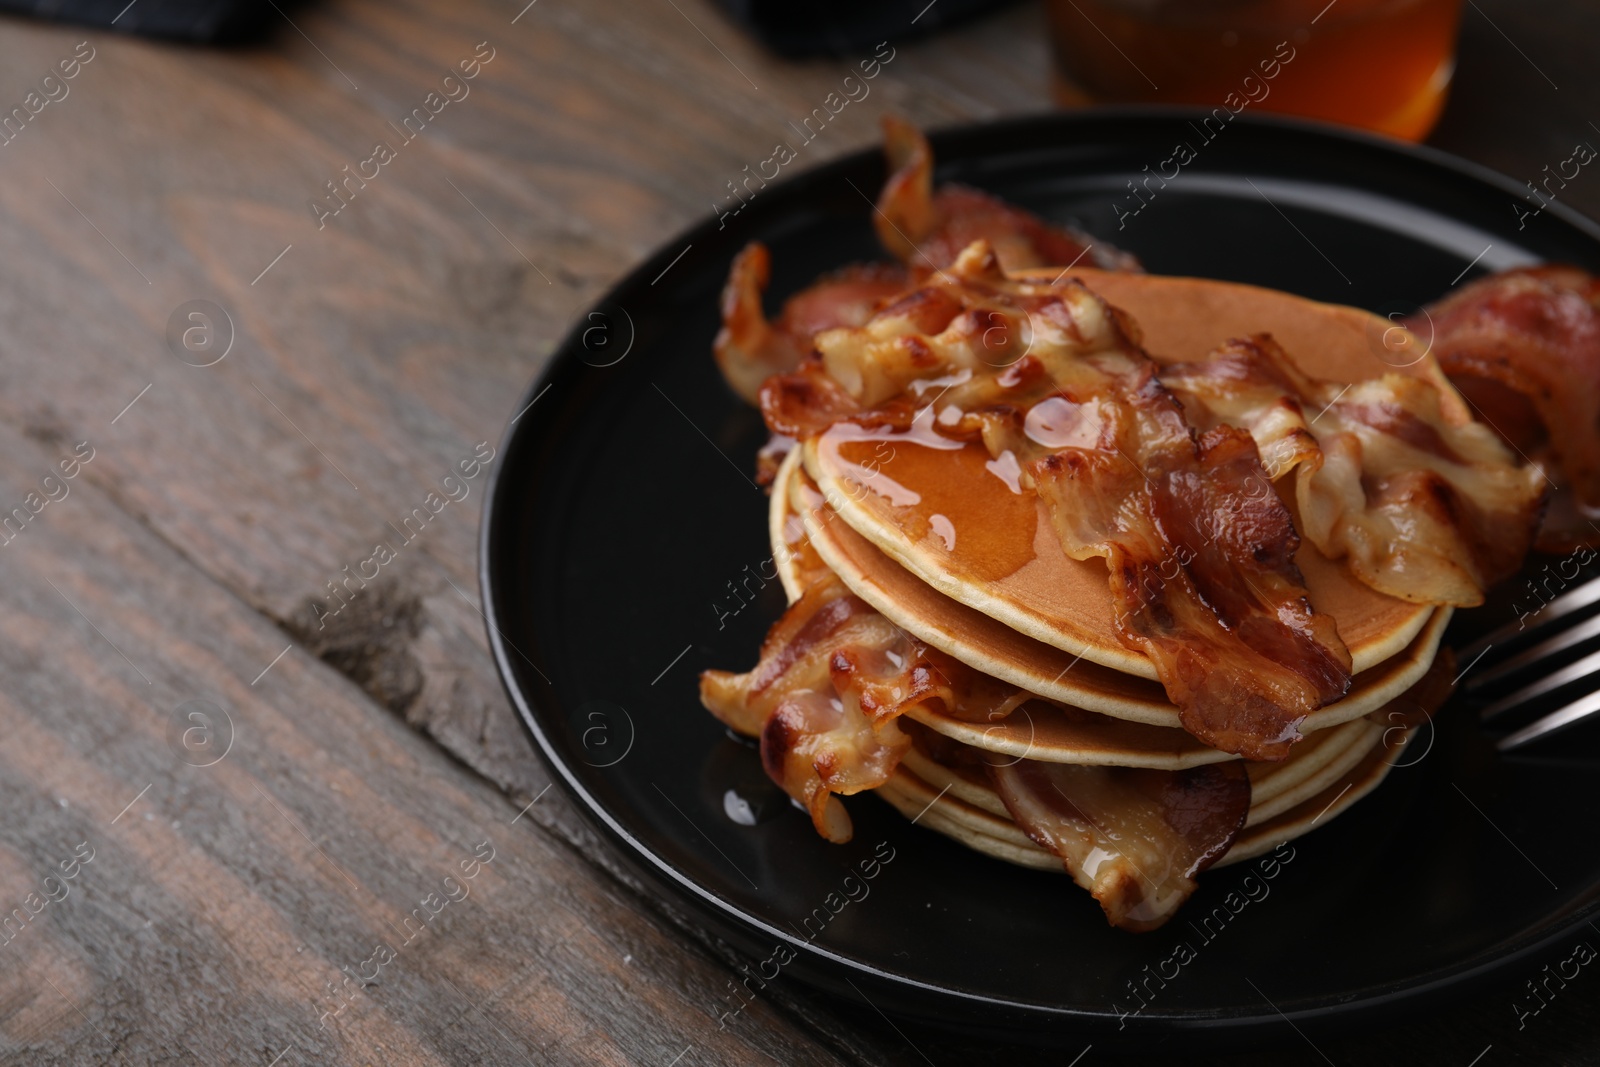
(1524, 652)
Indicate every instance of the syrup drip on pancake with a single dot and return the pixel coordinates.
(995, 532)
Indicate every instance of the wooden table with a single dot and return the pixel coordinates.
(266, 800)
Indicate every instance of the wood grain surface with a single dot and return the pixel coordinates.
(275, 795)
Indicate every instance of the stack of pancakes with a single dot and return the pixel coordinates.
(928, 533)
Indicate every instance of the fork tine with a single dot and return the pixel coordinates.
(1583, 668)
(1560, 642)
(1575, 712)
(1574, 599)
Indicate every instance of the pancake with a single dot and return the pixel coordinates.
(1273, 792)
(1183, 320)
(984, 830)
(988, 645)
(945, 516)
(786, 530)
(1140, 729)
(1269, 782)
(1050, 734)
(922, 574)
(1321, 809)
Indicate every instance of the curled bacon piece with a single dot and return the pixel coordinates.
(1202, 568)
(926, 228)
(1134, 838)
(749, 349)
(1426, 508)
(1523, 346)
(833, 678)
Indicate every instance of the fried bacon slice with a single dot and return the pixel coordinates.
(1134, 838)
(1523, 347)
(1204, 577)
(1424, 507)
(1137, 839)
(927, 228)
(833, 678)
(1200, 550)
(826, 701)
(749, 349)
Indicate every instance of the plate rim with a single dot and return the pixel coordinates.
(1029, 1022)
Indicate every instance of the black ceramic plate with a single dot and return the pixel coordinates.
(624, 550)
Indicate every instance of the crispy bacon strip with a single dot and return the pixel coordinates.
(927, 228)
(1523, 346)
(1200, 549)
(749, 349)
(923, 227)
(833, 678)
(1425, 508)
(1134, 838)
(1203, 572)
(1244, 384)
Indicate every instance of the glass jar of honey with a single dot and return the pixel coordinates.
(1382, 65)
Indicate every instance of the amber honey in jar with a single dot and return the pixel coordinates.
(1383, 65)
